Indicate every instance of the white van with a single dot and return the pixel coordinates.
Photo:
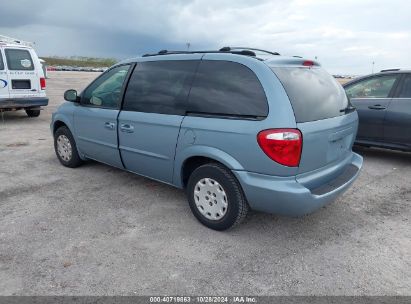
(22, 80)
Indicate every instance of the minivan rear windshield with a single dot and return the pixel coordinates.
(314, 94)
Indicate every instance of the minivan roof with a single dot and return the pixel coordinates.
(227, 49)
(272, 59)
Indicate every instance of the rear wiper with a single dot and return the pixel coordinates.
(348, 109)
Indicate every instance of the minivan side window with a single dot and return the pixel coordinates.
(227, 88)
(160, 87)
(405, 91)
(19, 60)
(105, 91)
(1, 61)
(375, 87)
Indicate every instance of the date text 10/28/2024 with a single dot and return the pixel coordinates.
(201, 299)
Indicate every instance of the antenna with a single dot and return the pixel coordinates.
(16, 41)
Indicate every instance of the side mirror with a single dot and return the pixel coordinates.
(71, 95)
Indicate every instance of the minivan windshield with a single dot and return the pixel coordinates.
(314, 94)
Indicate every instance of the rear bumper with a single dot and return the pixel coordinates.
(301, 194)
(29, 102)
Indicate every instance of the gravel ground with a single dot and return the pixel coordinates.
(97, 230)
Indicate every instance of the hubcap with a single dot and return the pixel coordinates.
(64, 147)
(210, 198)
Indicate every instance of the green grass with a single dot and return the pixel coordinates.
(80, 61)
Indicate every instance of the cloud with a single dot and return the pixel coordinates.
(346, 36)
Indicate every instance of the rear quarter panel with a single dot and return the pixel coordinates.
(233, 142)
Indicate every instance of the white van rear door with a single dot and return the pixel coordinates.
(4, 78)
(23, 71)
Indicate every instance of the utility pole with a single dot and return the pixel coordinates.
(188, 45)
(373, 67)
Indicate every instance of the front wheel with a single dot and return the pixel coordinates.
(33, 113)
(65, 148)
(215, 197)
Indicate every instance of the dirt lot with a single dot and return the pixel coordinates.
(98, 230)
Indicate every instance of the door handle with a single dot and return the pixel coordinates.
(377, 107)
(127, 128)
(110, 125)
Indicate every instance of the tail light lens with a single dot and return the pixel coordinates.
(282, 145)
(43, 83)
(308, 63)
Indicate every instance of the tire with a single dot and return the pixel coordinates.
(65, 148)
(216, 212)
(32, 113)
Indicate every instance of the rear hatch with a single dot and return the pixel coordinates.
(23, 76)
(323, 114)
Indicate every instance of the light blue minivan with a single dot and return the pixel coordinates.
(236, 128)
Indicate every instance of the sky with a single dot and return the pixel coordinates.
(346, 36)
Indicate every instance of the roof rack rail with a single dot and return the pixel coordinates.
(231, 48)
(390, 70)
(166, 52)
(238, 52)
(15, 41)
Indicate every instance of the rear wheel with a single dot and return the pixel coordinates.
(33, 112)
(215, 197)
(65, 148)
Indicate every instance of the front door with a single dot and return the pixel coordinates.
(153, 110)
(95, 118)
(371, 97)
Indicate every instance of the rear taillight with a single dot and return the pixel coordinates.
(43, 83)
(282, 145)
(308, 63)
